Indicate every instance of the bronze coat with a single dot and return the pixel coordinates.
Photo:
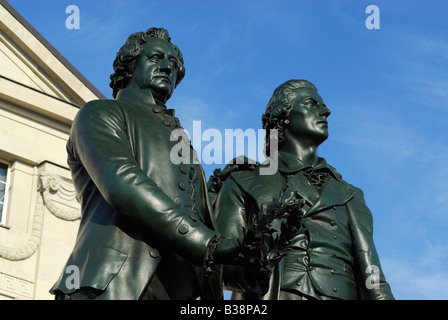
(137, 205)
(339, 205)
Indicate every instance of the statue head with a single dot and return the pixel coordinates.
(308, 119)
(153, 52)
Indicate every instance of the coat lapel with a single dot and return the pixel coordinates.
(266, 188)
(301, 184)
(334, 193)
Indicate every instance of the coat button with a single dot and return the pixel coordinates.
(182, 186)
(178, 201)
(334, 237)
(154, 253)
(183, 229)
(183, 169)
(335, 290)
(332, 222)
(157, 109)
(305, 260)
(332, 271)
(166, 122)
(92, 294)
(194, 216)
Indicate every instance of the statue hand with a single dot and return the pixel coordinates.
(227, 251)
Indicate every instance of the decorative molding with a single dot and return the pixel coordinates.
(27, 250)
(16, 287)
(59, 197)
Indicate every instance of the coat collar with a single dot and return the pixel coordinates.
(334, 193)
(143, 96)
(290, 164)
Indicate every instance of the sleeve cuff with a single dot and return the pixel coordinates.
(191, 241)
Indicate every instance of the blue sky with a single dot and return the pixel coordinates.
(387, 89)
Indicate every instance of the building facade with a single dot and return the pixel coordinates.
(40, 93)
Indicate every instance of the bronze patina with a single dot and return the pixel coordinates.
(147, 231)
(331, 253)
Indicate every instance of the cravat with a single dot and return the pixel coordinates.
(316, 178)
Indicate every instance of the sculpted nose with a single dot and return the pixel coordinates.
(166, 66)
(325, 112)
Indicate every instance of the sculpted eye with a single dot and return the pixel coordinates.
(174, 63)
(310, 102)
(155, 57)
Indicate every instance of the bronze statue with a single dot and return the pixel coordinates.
(146, 230)
(331, 254)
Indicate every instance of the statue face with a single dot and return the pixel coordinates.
(156, 69)
(308, 117)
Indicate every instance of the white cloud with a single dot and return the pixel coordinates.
(422, 279)
(382, 131)
(422, 70)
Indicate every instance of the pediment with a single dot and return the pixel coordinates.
(18, 67)
(34, 75)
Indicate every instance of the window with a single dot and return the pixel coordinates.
(4, 171)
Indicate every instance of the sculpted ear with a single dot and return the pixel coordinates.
(181, 68)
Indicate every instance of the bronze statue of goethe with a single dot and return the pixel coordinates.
(332, 254)
(147, 231)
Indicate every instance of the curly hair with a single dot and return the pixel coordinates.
(278, 109)
(126, 58)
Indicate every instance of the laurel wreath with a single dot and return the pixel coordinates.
(269, 234)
